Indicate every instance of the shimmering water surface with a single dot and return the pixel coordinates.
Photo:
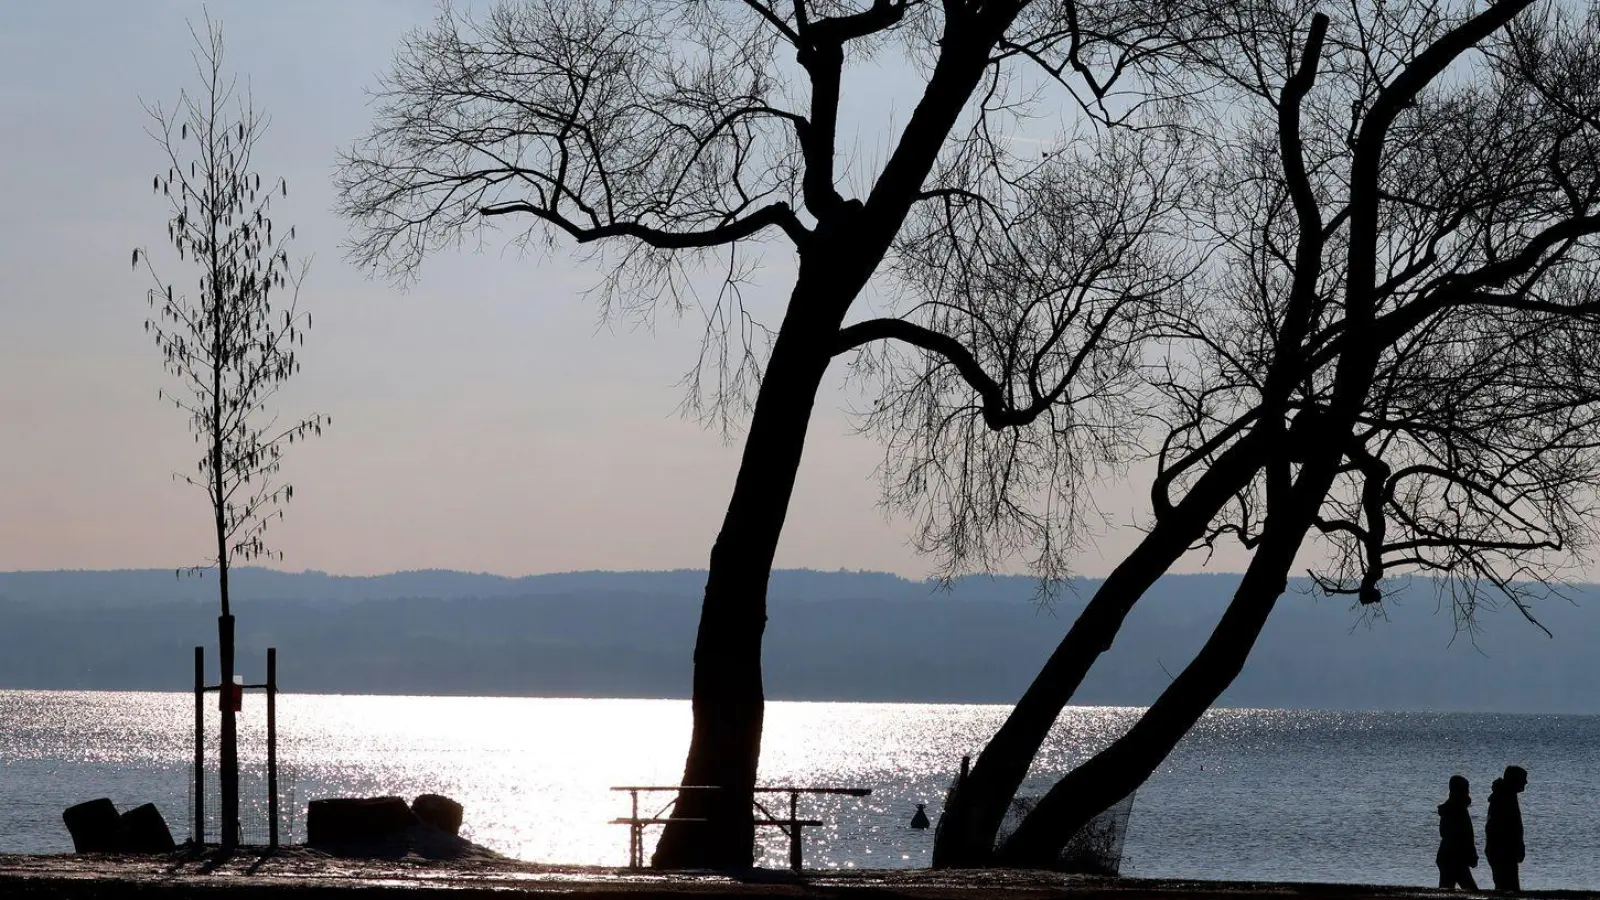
(1250, 794)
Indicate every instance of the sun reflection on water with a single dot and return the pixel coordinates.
(534, 774)
(1249, 793)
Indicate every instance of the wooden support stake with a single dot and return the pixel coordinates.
(200, 745)
(272, 747)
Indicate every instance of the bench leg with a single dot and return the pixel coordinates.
(794, 830)
(635, 836)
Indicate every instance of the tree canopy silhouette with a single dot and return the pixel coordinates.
(1385, 357)
(679, 138)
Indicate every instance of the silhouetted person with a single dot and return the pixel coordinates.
(1502, 833)
(919, 819)
(1458, 846)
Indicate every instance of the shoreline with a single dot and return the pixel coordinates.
(303, 874)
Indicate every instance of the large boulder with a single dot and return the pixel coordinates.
(439, 811)
(143, 830)
(93, 825)
(357, 822)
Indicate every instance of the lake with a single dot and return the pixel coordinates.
(1251, 794)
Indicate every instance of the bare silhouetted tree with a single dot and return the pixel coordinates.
(677, 137)
(231, 344)
(1389, 355)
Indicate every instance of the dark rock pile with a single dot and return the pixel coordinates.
(96, 827)
(439, 811)
(387, 828)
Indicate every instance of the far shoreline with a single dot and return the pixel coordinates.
(1006, 704)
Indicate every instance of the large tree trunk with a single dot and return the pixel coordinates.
(728, 702)
(969, 825)
(849, 242)
(1128, 762)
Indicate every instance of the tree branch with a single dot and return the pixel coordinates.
(778, 214)
(996, 413)
(773, 19)
(838, 30)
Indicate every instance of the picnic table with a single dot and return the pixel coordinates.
(792, 826)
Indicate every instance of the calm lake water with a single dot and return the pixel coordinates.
(1250, 794)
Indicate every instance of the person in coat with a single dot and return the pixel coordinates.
(1458, 847)
(1502, 831)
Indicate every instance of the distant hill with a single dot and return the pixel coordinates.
(830, 636)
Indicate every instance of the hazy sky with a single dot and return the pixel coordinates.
(484, 419)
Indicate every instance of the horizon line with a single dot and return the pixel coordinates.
(183, 571)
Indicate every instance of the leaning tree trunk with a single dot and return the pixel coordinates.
(981, 803)
(724, 748)
(1116, 771)
(1128, 762)
(969, 825)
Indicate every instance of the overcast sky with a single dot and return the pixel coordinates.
(484, 419)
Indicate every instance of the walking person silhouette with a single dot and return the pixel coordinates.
(1502, 830)
(1458, 846)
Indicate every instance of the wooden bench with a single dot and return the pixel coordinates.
(793, 826)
